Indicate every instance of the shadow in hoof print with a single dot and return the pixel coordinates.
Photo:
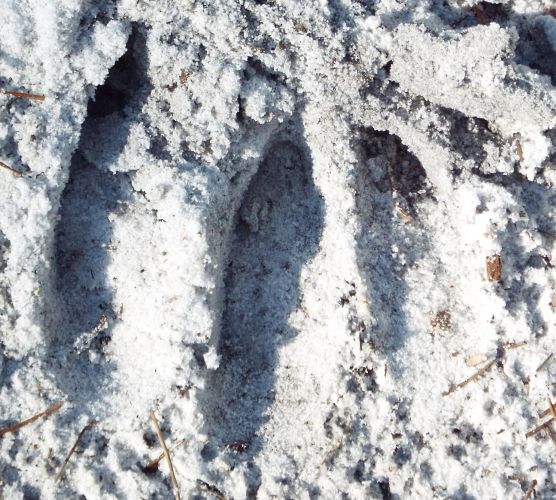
(84, 290)
(390, 184)
(78, 350)
(277, 231)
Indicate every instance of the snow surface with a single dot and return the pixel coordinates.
(269, 221)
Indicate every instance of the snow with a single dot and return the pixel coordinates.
(269, 222)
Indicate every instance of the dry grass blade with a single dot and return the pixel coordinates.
(17, 173)
(72, 449)
(49, 411)
(23, 95)
(538, 429)
(153, 464)
(167, 454)
(473, 377)
(545, 362)
(530, 490)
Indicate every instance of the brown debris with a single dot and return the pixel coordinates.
(403, 214)
(238, 446)
(346, 430)
(480, 15)
(545, 426)
(530, 490)
(184, 76)
(17, 173)
(518, 148)
(91, 424)
(475, 360)
(544, 413)
(23, 95)
(514, 345)
(152, 466)
(49, 411)
(210, 488)
(538, 429)
(166, 454)
(494, 268)
(552, 409)
(473, 377)
(545, 362)
(442, 320)
(551, 435)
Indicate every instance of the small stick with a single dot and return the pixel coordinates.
(545, 362)
(167, 454)
(473, 377)
(516, 477)
(72, 449)
(551, 435)
(153, 464)
(530, 490)
(514, 345)
(23, 95)
(210, 489)
(544, 413)
(49, 411)
(17, 173)
(551, 408)
(538, 429)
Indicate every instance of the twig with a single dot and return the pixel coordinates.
(153, 464)
(17, 173)
(551, 408)
(538, 429)
(473, 377)
(544, 413)
(551, 435)
(210, 488)
(514, 345)
(49, 411)
(530, 490)
(72, 449)
(24, 95)
(545, 362)
(167, 454)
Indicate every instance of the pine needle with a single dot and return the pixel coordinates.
(545, 362)
(544, 413)
(49, 411)
(473, 377)
(551, 408)
(23, 95)
(17, 173)
(167, 454)
(551, 435)
(538, 429)
(72, 449)
(530, 490)
(153, 464)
